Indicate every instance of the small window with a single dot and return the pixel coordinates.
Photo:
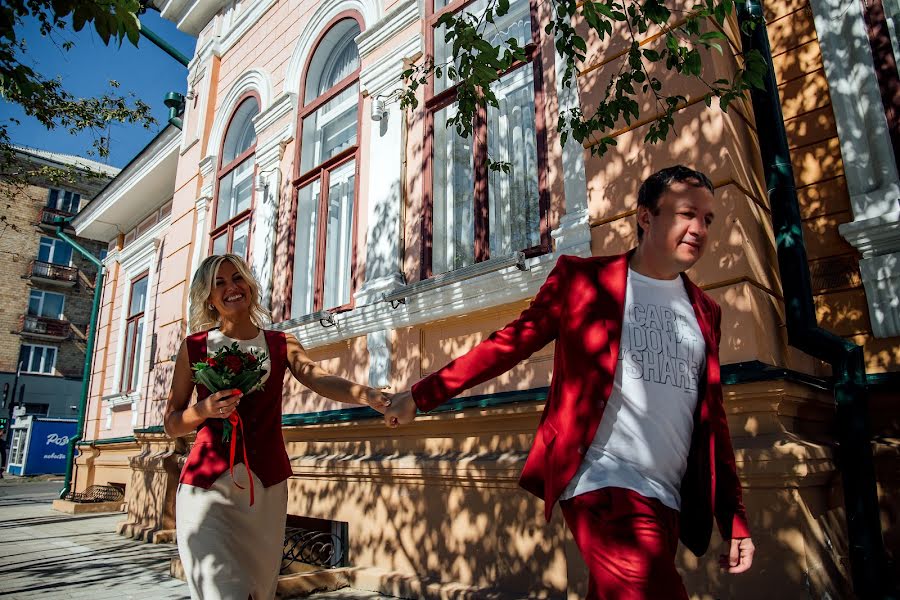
(64, 201)
(55, 251)
(38, 409)
(37, 359)
(134, 334)
(46, 304)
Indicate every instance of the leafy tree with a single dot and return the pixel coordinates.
(45, 98)
(476, 63)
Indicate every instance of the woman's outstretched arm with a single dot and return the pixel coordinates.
(310, 374)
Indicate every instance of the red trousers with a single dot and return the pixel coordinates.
(628, 542)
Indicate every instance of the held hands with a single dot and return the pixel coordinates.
(401, 411)
(220, 405)
(375, 398)
(737, 555)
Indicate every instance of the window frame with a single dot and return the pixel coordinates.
(436, 102)
(322, 172)
(43, 294)
(53, 243)
(60, 193)
(126, 385)
(27, 367)
(222, 171)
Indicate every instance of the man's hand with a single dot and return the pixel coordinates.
(401, 411)
(737, 556)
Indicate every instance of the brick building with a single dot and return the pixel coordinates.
(46, 287)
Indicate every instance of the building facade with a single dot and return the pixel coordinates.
(382, 240)
(47, 287)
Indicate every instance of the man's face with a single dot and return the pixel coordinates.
(676, 235)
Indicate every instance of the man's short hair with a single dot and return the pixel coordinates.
(657, 184)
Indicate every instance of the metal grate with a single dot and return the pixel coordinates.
(311, 547)
(97, 493)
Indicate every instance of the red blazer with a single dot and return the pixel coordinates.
(581, 306)
(261, 416)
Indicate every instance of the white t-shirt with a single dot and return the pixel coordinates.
(216, 340)
(643, 440)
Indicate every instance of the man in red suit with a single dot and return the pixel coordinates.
(633, 441)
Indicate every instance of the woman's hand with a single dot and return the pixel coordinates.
(220, 405)
(377, 399)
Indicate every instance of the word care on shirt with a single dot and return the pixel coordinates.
(660, 345)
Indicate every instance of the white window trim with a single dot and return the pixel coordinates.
(137, 258)
(52, 367)
(121, 399)
(454, 298)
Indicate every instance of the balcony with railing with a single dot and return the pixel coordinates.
(44, 328)
(49, 215)
(62, 275)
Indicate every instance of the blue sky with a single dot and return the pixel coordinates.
(86, 70)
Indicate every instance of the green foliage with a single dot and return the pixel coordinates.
(476, 64)
(44, 97)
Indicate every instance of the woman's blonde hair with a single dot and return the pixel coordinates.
(202, 315)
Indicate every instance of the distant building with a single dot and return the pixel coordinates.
(45, 286)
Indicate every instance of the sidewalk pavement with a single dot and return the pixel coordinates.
(50, 555)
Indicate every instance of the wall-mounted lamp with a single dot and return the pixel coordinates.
(379, 108)
(380, 103)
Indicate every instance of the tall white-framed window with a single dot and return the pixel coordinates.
(134, 334)
(326, 193)
(64, 200)
(234, 196)
(46, 304)
(472, 213)
(54, 251)
(37, 359)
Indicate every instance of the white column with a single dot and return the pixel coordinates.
(378, 344)
(573, 235)
(384, 172)
(868, 156)
(265, 213)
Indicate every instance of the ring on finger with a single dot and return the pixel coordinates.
(221, 411)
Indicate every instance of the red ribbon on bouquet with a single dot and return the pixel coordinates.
(238, 425)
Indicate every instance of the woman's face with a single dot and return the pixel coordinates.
(230, 293)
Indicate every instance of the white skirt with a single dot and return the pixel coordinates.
(229, 549)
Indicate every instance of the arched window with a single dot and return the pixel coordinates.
(234, 198)
(325, 210)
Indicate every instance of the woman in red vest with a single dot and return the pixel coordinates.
(231, 506)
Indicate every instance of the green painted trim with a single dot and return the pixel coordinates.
(151, 429)
(732, 374)
(754, 370)
(877, 380)
(106, 442)
(326, 417)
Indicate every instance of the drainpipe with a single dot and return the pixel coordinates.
(88, 353)
(868, 561)
(173, 100)
(163, 44)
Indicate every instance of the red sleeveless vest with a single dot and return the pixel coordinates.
(261, 416)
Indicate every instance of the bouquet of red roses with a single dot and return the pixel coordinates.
(231, 368)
